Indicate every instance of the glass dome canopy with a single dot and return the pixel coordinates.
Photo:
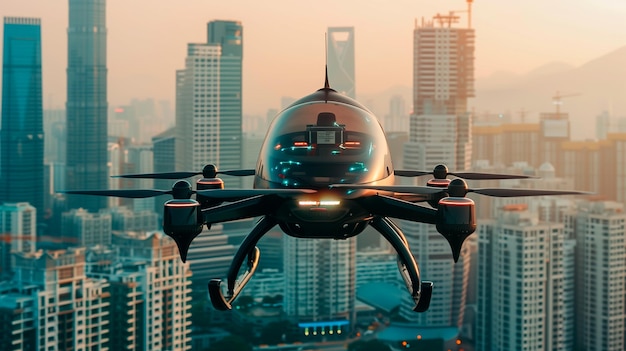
(324, 139)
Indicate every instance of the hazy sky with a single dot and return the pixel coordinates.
(284, 40)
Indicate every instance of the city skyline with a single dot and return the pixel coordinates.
(527, 32)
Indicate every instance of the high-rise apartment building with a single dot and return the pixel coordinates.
(126, 220)
(150, 292)
(525, 281)
(443, 80)
(53, 305)
(341, 60)
(197, 108)
(87, 103)
(21, 131)
(320, 276)
(88, 229)
(18, 232)
(208, 102)
(598, 228)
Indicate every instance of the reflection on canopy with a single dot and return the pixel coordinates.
(319, 144)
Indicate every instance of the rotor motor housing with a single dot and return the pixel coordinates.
(206, 184)
(182, 217)
(456, 216)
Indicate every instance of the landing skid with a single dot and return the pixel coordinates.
(421, 292)
(246, 249)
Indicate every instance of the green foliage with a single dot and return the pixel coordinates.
(231, 343)
(278, 332)
(200, 314)
(370, 345)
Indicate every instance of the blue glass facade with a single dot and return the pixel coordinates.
(21, 132)
(229, 35)
(87, 105)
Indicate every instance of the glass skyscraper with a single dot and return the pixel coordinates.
(21, 132)
(87, 102)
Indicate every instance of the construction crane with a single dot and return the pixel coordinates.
(522, 114)
(556, 100)
(452, 18)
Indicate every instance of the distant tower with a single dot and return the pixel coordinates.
(443, 80)
(396, 120)
(21, 132)
(341, 60)
(603, 125)
(164, 160)
(87, 104)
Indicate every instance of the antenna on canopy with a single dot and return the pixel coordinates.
(326, 84)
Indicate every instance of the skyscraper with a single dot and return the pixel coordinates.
(229, 36)
(197, 108)
(87, 102)
(208, 107)
(21, 132)
(341, 60)
(443, 80)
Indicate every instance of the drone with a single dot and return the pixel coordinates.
(324, 172)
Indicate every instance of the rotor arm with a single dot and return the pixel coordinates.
(246, 249)
(386, 206)
(420, 291)
(247, 208)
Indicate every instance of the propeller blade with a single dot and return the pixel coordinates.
(484, 176)
(239, 172)
(133, 194)
(245, 193)
(171, 175)
(464, 175)
(181, 175)
(419, 190)
(501, 192)
(404, 173)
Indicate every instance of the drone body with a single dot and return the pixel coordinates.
(324, 172)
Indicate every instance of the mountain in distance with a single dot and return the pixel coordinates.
(587, 90)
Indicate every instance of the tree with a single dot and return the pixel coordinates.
(370, 345)
(277, 332)
(231, 343)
